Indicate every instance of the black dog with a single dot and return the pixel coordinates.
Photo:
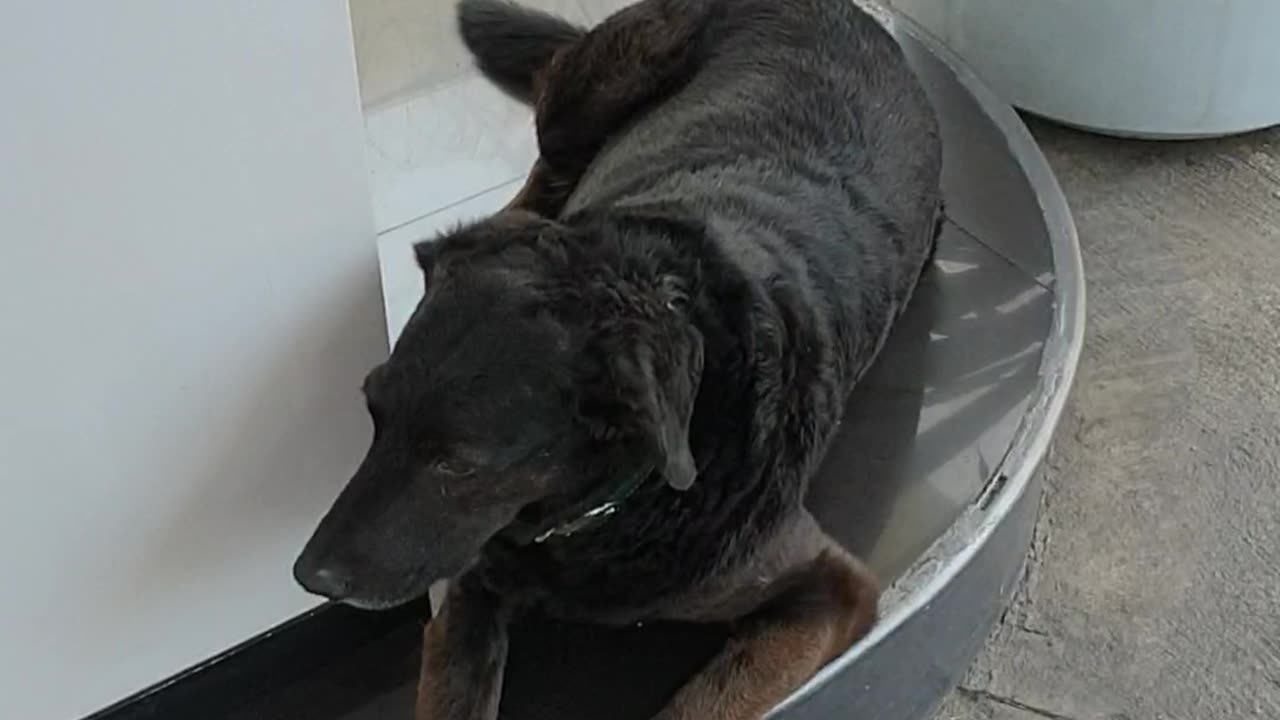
(612, 414)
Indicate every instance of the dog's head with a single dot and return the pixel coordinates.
(535, 369)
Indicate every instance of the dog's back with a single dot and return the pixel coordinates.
(806, 140)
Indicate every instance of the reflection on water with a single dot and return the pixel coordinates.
(937, 412)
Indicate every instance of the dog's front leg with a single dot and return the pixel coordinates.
(819, 612)
(464, 653)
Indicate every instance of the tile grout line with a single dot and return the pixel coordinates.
(451, 205)
(1010, 261)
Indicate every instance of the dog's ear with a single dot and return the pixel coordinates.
(513, 45)
(656, 377)
(425, 253)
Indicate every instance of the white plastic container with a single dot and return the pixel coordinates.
(1145, 68)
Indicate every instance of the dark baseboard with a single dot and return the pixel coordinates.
(295, 649)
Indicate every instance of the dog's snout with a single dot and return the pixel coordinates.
(327, 580)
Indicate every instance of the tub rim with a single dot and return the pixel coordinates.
(949, 555)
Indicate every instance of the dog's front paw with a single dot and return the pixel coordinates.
(464, 653)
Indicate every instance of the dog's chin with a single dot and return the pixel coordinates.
(387, 600)
(379, 603)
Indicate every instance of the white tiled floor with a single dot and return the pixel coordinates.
(435, 149)
(411, 47)
(437, 133)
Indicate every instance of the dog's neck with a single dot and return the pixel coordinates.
(590, 512)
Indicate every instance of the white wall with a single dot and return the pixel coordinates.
(188, 300)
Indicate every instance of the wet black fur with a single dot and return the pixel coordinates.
(728, 263)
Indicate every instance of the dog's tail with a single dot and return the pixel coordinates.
(511, 43)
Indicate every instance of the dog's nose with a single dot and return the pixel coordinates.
(326, 580)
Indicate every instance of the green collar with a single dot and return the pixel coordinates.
(602, 505)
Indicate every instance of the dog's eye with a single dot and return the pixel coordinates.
(453, 467)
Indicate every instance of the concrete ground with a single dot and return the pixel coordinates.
(1154, 589)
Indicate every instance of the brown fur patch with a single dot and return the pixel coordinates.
(819, 614)
(464, 654)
